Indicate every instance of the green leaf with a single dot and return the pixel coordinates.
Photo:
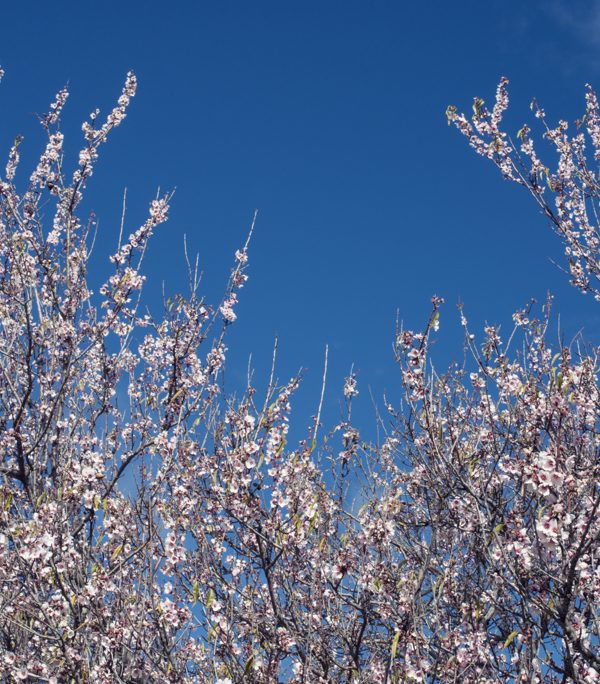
(439, 586)
(313, 520)
(450, 113)
(179, 391)
(395, 642)
(495, 532)
(477, 105)
(117, 552)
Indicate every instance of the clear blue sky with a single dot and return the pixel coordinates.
(329, 118)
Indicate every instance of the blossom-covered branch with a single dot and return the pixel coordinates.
(568, 194)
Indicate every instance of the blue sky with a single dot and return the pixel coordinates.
(329, 118)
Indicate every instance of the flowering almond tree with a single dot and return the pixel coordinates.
(154, 529)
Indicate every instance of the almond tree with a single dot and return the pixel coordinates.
(155, 528)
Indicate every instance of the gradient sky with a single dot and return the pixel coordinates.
(328, 117)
